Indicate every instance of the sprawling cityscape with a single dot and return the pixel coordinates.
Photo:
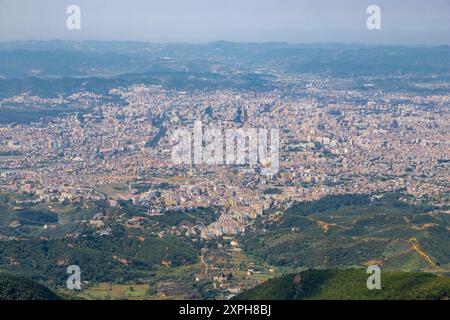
(331, 145)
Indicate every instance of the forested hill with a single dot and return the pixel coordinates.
(18, 288)
(350, 285)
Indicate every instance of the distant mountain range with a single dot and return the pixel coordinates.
(60, 67)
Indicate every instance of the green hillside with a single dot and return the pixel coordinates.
(350, 285)
(18, 288)
(343, 231)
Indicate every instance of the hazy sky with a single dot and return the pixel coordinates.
(403, 21)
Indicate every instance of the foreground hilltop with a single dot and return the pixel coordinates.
(18, 288)
(350, 285)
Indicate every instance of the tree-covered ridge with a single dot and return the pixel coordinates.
(125, 253)
(18, 288)
(354, 230)
(350, 285)
(117, 259)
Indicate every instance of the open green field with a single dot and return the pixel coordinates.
(108, 291)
